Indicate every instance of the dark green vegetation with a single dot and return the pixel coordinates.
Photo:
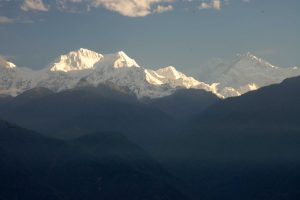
(240, 148)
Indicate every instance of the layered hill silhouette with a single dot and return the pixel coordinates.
(243, 147)
(98, 166)
(82, 110)
(275, 106)
(79, 111)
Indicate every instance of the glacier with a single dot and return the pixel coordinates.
(84, 67)
(246, 72)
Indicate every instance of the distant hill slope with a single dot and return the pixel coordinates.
(274, 106)
(100, 166)
(185, 103)
(244, 147)
(87, 109)
(246, 72)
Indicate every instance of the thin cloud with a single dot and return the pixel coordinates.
(213, 4)
(6, 20)
(129, 8)
(34, 5)
(19, 20)
(217, 4)
(205, 5)
(71, 6)
(161, 9)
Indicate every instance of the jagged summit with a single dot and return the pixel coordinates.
(169, 72)
(81, 59)
(84, 59)
(246, 72)
(124, 60)
(171, 76)
(118, 60)
(85, 67)
(253, 59)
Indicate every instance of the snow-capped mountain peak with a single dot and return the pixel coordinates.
(121, 59)
(81, 59)
(10, 65)
(246, 72)
(253, 59)
(117, 68)
(169, 72)
(85, 67)
(13, 80)
(169, 75)
(6, 64)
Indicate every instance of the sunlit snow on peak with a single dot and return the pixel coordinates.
(250, 57)
(5, 63)
(85, 67)
(10, 65)
(123, 60)
(76, 60)
(169, 72)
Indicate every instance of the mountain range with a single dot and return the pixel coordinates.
(244, 73)
(93, 126)
(212, 148)
(85, 67)
(244, 147)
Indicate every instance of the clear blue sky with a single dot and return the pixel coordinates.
(182, 33)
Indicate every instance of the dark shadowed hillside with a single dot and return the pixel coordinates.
(75, 112)
(245, 147)
(184, 104)
(276, 106)
(98, 166)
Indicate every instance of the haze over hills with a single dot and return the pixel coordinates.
(85, 67)
(244, 147)
(149, 100)
(246, 142)
(229, 148)
(103, 165)
(246, 72)
(272, 107)
(83, 110)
